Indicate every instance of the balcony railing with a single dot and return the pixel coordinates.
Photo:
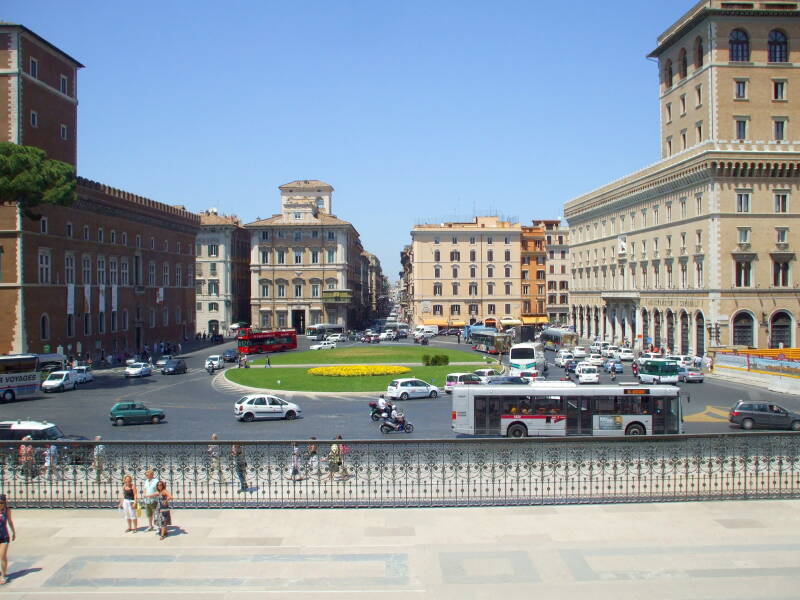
(416, 473)
(337, 296)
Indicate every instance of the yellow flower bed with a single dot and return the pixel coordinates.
(357, 370)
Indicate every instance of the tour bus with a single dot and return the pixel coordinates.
(323, 330)
(19, 376)
(560, 408)
(490, 342)
(659, 370)
(554, 338)
(252, 341)
(526, 357)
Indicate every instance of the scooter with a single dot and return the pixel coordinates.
(391, 426)
(210, 368)
(377, 414)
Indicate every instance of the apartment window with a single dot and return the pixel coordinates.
(315, 257)
(779, 129)
(113, 237)
(281, 257)
(152, 243)
(489, 240)
(455, 256)
(265, 236)
(315, 290)
(740, 89)
(44, 266)
(87, 270)
(490, 255)
(781, 202)
(100, 235)
(63, 131)
(782, 236)
(87, 324)
(698, 200)
(331, 236)
(455, 240)
(281, 234)
(778, 47)
(85, 232)
(683, 139)
(437, 309)
(683, 105)
(684, 278)
(63, 84)
(779, 90)
(437, 272)
(69, 268)
(742, 273)
(298, 290)
(264, 290)
(669, 153)
(297, 235)
(698, 132)
(178, 273)
(455, 288)
(507, 255)
(698, 96)
(698, 271)
(473, 289)
(698, 237)
(151, 273)
(507, 287)
(281, 290)
(212, 269)
(490, 271)
(437, 289)
(507, 271)
(552, 270)
(264, 257)
(743, 236)
(668, 74)
(213, 249)
(101, 322)
(34, 119)
(436, 240)
(165, 316)
(151, 316)
(437, 256)
(490, 289)
(298, 257)
(138, 241)
(669, 212)
(683, 208)
(165, 275)
(507, 308)
(668, 108)
(70, 325)
(213, 306)
(473, 271)
(454, 270)
(472, 240)
(473, 309)
(33, 68)
(780, 273)
(331, 255)
(738, 46)
(213, 287)
(741, 129)
(297, 217)
(743, 202)
(490, 309)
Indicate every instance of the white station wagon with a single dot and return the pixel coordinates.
(264, 406)
(403, 389)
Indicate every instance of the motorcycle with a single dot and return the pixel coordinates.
(390, 426)
(210, 369)
(376, 414)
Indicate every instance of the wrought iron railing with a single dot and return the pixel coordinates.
(411, 473)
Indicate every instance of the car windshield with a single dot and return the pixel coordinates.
(55, 377)
(137, 366)
(214, 357)
(393, 383)
(51, 433)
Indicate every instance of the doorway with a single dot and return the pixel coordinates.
(299, 320)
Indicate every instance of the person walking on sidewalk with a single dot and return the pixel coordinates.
(5, 539)
(150, 495)
(127, 503)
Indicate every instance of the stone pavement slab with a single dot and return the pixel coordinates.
(682, 551)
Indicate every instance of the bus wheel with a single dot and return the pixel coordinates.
(634, 429)
(8, 396)
(517, 430)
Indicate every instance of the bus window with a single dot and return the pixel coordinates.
(548, 405)
(604, 405)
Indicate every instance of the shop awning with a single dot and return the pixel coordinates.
(508, 322)
(457, 323)
(435, 321)
(535, 320)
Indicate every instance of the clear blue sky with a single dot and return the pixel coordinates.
(413, 110)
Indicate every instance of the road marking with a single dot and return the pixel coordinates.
(712, 414)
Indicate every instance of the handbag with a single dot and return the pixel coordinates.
(138, 509)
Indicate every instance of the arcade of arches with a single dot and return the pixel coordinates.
(682, 331)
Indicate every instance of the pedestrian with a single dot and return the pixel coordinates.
(50, 460)
(128, 503)
(334, 460)
(268, 364)
(150, 495)
(180, 347)
(312, 458)
(344, 450)
(214, 456)
(458, 337)
(26, 458)
(296, 475)
(5, 522)
(164, 514)
(98, 458)
(240, 466)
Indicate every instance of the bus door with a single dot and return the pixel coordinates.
(579, 415)
(487, 415)
(666, 414)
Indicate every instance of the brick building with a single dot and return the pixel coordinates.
(111, 273)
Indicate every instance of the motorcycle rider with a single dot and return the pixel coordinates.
(397, 419)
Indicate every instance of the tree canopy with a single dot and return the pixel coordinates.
(30, 179)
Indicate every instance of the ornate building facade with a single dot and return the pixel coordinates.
(699, 249)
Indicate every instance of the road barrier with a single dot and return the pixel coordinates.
(408, 473)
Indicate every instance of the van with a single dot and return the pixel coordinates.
(427, 330)
(563, 357)
(60, 381)
(454, 379)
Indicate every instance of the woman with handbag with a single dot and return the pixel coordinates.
(164, 514)
(129, 504)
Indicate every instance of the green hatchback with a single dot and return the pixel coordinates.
(123, 413)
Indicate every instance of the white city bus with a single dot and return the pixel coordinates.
(659, 370)
(19, 376)
(323, 330)
(524, 358)
(565, 409)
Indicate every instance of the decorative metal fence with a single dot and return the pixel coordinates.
(461, 472)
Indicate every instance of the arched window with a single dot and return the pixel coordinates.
(668, 74)
(45, 327)
(778, 47)
(437, 289)
(683, 65)
(739, 46)
(780, 331)
(698, 53)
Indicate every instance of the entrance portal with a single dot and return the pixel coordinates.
(299, 320)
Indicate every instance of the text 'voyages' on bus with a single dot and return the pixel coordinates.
(566, 409)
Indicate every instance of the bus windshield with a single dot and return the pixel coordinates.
(521, 353)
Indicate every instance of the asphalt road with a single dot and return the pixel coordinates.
(197, 405)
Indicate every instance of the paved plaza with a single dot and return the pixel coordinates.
(709, 550)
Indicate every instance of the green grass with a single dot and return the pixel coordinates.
(367, 355)
(297, 379)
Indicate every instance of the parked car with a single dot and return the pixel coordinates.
(690, 374)
(60, 381)
(749, 415)
(403, 389)
(454, 379)
(230, 355)
(613, 364)
(138, 370)
(216, 362)
(174, 367)
(163, 360)
(264, 406)
(625, 354)
(324, 345)
(123, 413)
(83, 374)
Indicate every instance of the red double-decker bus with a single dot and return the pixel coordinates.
(253, 341)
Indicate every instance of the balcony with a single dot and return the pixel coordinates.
(337, 296)
(782, 246)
